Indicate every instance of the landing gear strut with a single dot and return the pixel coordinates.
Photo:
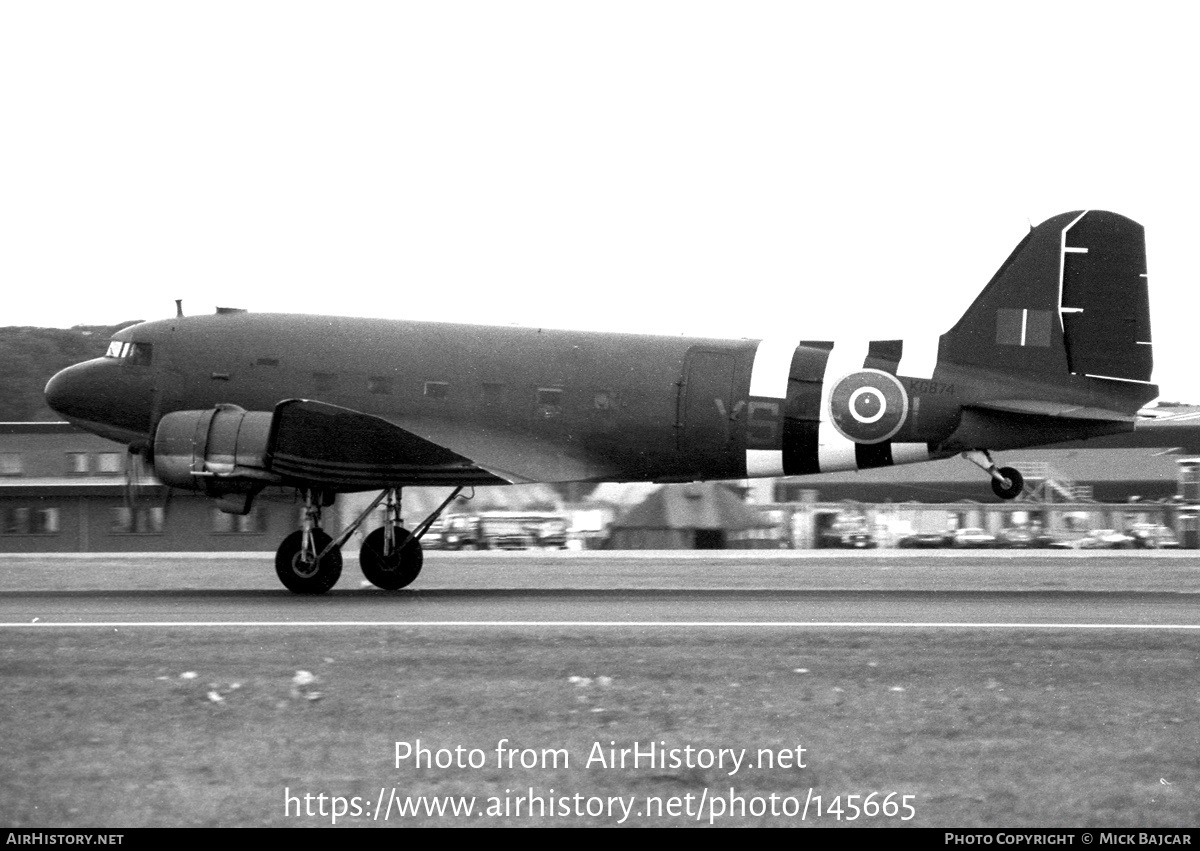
(391, 557)
(1007, 482)
(306, 562)
(310, 562)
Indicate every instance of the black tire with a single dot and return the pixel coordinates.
(395, 571)
(301, 578)
(1016, 483)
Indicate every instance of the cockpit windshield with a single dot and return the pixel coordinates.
(137, 354)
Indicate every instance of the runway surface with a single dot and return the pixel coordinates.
(955, 590)
(993, 689)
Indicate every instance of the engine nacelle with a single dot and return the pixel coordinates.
(221, 451)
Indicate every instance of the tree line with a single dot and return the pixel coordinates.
(30, 356)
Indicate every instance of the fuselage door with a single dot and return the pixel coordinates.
(707, 410)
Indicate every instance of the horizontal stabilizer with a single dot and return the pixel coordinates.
(1054, 409)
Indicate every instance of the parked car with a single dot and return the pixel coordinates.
(505, 530)
(973, 537)
(1152, 536)
(1017, 537)
(848, 534)
(1105, 539)
(925, 540)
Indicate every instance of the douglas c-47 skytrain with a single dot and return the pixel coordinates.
(1056, 348)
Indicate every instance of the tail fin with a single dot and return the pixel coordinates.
(1071, 299)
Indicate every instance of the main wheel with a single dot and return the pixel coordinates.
(394, 570)
(1016, 483)
(307, 576)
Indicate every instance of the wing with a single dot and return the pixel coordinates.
(324, 443)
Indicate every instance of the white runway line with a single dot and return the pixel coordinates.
(596, 624)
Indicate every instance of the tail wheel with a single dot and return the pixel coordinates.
(1016, 483)
(394, 570)
(305, 574)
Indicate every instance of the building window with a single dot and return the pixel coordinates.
(10, 464)
(108, 462)
(30, 521)
(254, 523)
(77, 463)
(146, 520)
(436, 389)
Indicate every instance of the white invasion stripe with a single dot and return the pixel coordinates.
(909, 453)
(772, 363)
(835, 451)
(918, 357)
(593, 624)
(1071, 250)
(764, 462)
(769, 378)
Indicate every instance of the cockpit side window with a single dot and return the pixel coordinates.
(138, 354)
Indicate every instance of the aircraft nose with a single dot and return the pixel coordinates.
(101, 392)
(67, 393)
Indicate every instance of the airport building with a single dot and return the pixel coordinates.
(65, 490)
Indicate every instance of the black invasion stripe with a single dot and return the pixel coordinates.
(869, 455)
(802, 409)
(884, 355)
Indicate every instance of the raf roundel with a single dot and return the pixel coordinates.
(868, 406)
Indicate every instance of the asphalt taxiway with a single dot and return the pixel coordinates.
(1126, 590)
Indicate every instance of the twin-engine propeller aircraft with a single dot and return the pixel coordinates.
(1056, 348)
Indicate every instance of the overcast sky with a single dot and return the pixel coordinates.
(722, 168)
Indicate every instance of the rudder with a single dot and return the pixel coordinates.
(1070, 299)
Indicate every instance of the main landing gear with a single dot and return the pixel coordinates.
(1007, 482)
(310, 562)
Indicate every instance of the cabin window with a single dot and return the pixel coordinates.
(549, 401)
(108, 462)
(381, 384)
(267, 362)
(604, 400)
(30, 521)
(145, 520)
(436, 389)
(77, 463)
(10, 464)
